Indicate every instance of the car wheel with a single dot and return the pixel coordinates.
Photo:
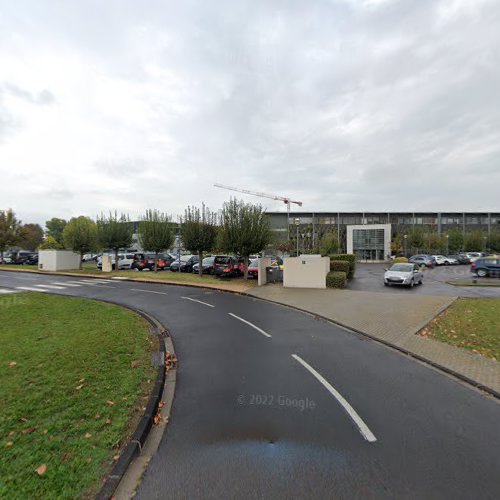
(482, 273)
(412, 284)
(386, 284)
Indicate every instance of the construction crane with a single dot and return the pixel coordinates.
(284, 199)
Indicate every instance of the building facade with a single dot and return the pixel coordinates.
(308, 227)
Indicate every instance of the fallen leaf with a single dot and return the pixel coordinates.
(97, 415)
(45, 431)
(9, 444)
(87, 435)
(41, 470)
(134, 364)
(81, 380)
(116, 457)
(23, 419)
(108, 421)
(29, 430)
(161, 404)
(12, 364)
(157, 419)
(10, 434)
(88, 460)
(110, 403)
(78, 387)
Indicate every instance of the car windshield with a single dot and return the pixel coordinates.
(402, 268)
(208, 260)
(253, 263)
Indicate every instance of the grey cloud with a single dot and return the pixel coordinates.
(41, 98)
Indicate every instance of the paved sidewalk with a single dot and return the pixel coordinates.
(390, 317)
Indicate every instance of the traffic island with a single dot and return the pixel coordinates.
(75, 379)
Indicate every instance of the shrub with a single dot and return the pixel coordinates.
(336, 279)
(349, 257)
(399, 260)
(340, 265)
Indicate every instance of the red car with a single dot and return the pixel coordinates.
(226, 266)
(147, 261)
(253, 269)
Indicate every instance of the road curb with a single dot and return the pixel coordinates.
(138, 438)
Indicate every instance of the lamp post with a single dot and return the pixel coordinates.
(447, 244)
(405, 237)
(297, 224)
(484, 244)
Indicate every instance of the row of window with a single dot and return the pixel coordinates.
(407, 220)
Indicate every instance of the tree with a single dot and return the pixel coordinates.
(455, 240)
(329, 244)
(114, 232)
(9, 230)
(474, 241)
(80, 235)
(435, 242)
(494, 240)
(55, 228)
(50, 243)
(283, 246)
(155, 233)
(199, 231)
(30, 236)
(416, 238)
(244, 229)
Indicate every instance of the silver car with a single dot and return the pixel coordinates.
(406, 274)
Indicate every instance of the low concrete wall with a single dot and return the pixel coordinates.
(58, 260)
(306, 271)
(263, 262)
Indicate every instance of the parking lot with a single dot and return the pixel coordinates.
(369, 277)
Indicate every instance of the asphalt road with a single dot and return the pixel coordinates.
(369, 278)
(251, 421)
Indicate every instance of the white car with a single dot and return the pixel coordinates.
(406, 274)
(473, 256)
(125, 260)
(442, 260)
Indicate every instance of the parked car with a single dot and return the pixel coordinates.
(7, 259)
(185, 265)
(487, 266)
(207, 265)
(460, 257)
(146, 261)
(125, 261)
(24, 257)
(473, 256)
(406, 274)
(442, 260)
(422, 260)
(253, 269)
(227, 266)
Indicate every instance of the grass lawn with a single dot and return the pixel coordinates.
(473, 324)
(69, 392)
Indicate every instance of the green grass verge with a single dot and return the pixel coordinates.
(69, 393)
(473, 324)
(470, 283)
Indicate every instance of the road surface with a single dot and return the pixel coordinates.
(273, 403)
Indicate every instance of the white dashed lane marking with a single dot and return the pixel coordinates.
(251, 324)
(363, 428)
(199, 301)
(53, 287)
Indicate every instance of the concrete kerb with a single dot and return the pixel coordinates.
(418, 357)
(138, 438)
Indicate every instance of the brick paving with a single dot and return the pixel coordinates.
(391, 317)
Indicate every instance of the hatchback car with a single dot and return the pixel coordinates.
(423, 260)
(207, 266)
(227, 266)
(488, 266)
(186, 264)
(442, 260)
(406, 274)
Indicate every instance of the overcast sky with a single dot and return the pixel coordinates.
(346, 105)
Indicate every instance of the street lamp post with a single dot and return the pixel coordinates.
(484, 244)
(405, 238)
(447, 244)
(297, 224)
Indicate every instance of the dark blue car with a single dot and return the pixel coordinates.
(488, 266)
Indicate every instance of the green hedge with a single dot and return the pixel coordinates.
(340, 265)
(336, 279)
(349, 257)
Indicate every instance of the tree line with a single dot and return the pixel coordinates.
(238, 228)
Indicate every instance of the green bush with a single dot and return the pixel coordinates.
(399, 260)
(336, 279)
(340, 265)
(349, 257)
